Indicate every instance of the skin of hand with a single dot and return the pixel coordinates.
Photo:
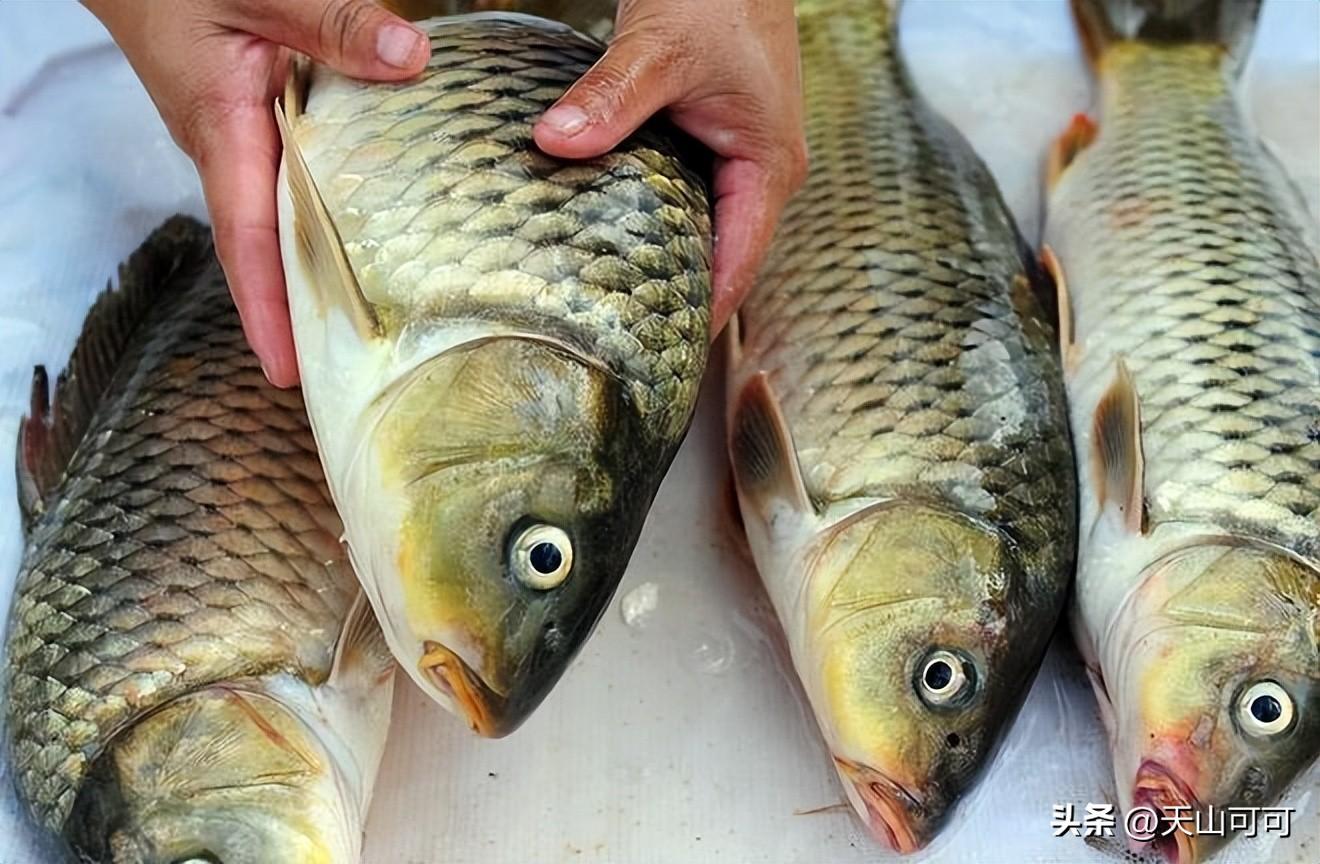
(728, 74)
(213, 68)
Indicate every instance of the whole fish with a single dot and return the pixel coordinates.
(189, 675)
(899, 438)
(500, 351)
(1193, 367)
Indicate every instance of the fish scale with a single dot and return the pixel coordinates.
(194, 542)
(446, 212)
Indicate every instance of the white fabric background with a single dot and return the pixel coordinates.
(681, 739)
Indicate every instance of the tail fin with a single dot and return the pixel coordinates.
(1230, 23)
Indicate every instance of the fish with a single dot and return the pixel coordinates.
(898, 436)
(192, 672)
(1192, 361)
(592, 17)
(500, 351)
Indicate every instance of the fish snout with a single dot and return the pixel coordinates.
(1171, 830)
(895, 815)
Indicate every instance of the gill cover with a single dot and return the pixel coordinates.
(221, 775)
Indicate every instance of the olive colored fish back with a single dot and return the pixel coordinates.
(191, 540)
(1196, 268)
(450, 214)
(53, 429)
(896, 313)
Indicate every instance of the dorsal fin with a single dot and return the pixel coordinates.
(55, 425)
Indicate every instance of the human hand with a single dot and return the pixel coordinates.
(728, 74)
(213, 69)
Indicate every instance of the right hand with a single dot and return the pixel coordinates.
(214, 68)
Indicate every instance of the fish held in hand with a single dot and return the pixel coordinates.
(192, 671)
(899, 438)
(500, 351)
(1194, 384)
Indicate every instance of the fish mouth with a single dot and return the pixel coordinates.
(889, 807)
(1159, 789)
(482, 707)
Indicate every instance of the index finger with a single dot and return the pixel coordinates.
(239, 162)
(748, 202)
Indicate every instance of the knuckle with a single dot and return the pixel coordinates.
(341, 21)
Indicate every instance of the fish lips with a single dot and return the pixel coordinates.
(1160, 790)
(903, 819)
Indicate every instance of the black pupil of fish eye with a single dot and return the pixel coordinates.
(1266, 709)
(938, 675)
(545, 558)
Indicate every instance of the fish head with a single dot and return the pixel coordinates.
(917, 627)
(219, 776)
(1217, 704)
(520, 468)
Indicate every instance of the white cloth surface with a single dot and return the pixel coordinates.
(680, 737)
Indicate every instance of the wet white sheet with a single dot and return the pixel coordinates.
(678, 737)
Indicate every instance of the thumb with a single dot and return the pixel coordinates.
(357, 37)
(629, 83)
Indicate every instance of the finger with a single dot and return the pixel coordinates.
(629, 83)
(238, 160)
(357, 37)
(748, 201)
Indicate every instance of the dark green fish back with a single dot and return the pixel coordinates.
(897, 315)
(191, 540)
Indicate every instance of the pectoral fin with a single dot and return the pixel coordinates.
(1116, 443)
(1065, 149)
(361, 652)
(319, 246)
(765, 465)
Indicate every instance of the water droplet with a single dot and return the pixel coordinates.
(713, 653)
(638, 606)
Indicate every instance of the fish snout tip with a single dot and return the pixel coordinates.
(893, 815)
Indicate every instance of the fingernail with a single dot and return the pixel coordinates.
(396, 45)
(565, 119)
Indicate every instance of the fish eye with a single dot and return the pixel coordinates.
(1265, 709)
(945, 678)
(199, 858)
(542, 557)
